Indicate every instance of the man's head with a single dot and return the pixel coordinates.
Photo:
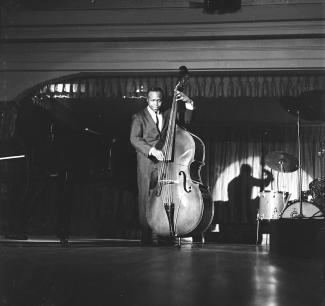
(245, 170)
(155, 98)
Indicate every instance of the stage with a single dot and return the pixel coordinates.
(122, 272)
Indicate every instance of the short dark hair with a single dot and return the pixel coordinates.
(155, 88)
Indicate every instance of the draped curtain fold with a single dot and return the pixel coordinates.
(199, 86)
(225, 158)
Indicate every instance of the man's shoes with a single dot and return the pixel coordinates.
(176, 241)
(148, 238)
(166, 241)
(154, 240)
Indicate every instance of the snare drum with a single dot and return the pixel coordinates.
(271, 204)
(309, 210)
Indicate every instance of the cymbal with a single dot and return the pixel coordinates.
(281, 161)
(310, 105)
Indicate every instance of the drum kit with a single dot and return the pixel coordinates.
(276, 204)
(311, 203)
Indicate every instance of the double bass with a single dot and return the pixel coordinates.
(179, 204)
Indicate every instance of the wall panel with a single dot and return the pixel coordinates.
(38, 45)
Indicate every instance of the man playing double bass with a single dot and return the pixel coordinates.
(147, 128)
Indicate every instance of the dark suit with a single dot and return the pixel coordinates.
(145, 135)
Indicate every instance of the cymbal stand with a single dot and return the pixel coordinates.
(283, 194)
(321, 154)
(282, 172)
(300, 215)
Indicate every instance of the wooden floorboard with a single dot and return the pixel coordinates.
(131, 274)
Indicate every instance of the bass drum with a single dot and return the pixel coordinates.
(309, 210)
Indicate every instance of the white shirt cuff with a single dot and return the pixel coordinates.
(189, 105)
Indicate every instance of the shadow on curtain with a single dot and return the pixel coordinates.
(236, 174)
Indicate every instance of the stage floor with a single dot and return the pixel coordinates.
(126, 273)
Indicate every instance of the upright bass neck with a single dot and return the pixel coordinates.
(169, 139)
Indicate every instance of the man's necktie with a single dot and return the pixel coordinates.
(157, 122)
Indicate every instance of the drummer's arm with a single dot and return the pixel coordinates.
(269, 177)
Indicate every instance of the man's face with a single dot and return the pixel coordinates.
(154, 100)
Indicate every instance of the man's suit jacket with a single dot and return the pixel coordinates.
(145, 135)
(144, 132)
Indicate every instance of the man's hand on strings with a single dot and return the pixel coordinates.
(157, 153)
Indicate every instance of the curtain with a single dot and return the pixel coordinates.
(235, 156)
(202, 85)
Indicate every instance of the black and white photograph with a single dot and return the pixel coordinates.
(162, 152)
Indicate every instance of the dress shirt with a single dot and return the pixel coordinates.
(153, 115)
(189, 105)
